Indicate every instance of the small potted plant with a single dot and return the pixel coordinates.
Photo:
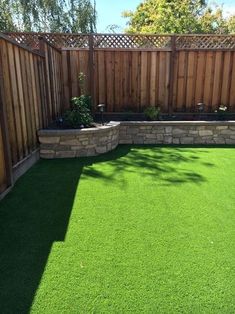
(221, 112)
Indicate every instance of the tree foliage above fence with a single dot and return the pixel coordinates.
(44, 15)
(187, 16)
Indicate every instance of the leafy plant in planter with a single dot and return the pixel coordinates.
(79, 115)
(152, 113)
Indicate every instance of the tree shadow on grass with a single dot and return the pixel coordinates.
(162, 164)
(37, 212)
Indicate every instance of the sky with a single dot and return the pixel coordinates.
(109, 12)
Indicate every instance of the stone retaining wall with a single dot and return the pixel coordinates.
(78, 143)
(95, 141)
(177, 132)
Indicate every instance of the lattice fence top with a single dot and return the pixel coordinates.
(132, 41)
(56, 39)
(205, 42)
(126, 41)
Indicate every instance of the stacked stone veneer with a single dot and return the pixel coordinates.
(177, 132)
(95, 141)
(78, 143)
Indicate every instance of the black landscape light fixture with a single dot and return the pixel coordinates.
(101, 109)
(201, 108)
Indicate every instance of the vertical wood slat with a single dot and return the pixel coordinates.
(30, 109)
(54, 67)
(3, 176)
(109, 69)
(190, 79)
(171, 74)
(6, 176)
(6, 87)
(232, 85)
(21, 100)
(91, 71)
(65, 79)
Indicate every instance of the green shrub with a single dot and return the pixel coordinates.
(221, 112)
(152, 113)
(80, 113)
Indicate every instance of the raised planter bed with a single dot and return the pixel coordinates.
(177, 132)
(78, 143)
(95, 141)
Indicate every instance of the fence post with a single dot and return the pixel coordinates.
(4, 128)
(91, 71)
(171, 74)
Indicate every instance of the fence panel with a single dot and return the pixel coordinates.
(23, 97)
(204, 76)
(124, 80)
(131, 80)
(53, 74)
(31, 97)
(73, 62)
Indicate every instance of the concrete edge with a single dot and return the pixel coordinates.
(21, 168)
(25, 164)
(4, 193)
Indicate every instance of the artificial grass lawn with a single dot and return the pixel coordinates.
(141, 230)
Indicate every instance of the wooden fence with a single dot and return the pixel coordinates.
(30, 98)
(39, 75)
(203, 76)
(132, 80)
(130, 72)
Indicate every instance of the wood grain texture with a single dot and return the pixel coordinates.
(130, 80)
(25, 76)
(3, 177)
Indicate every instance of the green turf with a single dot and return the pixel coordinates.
(139, 230)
